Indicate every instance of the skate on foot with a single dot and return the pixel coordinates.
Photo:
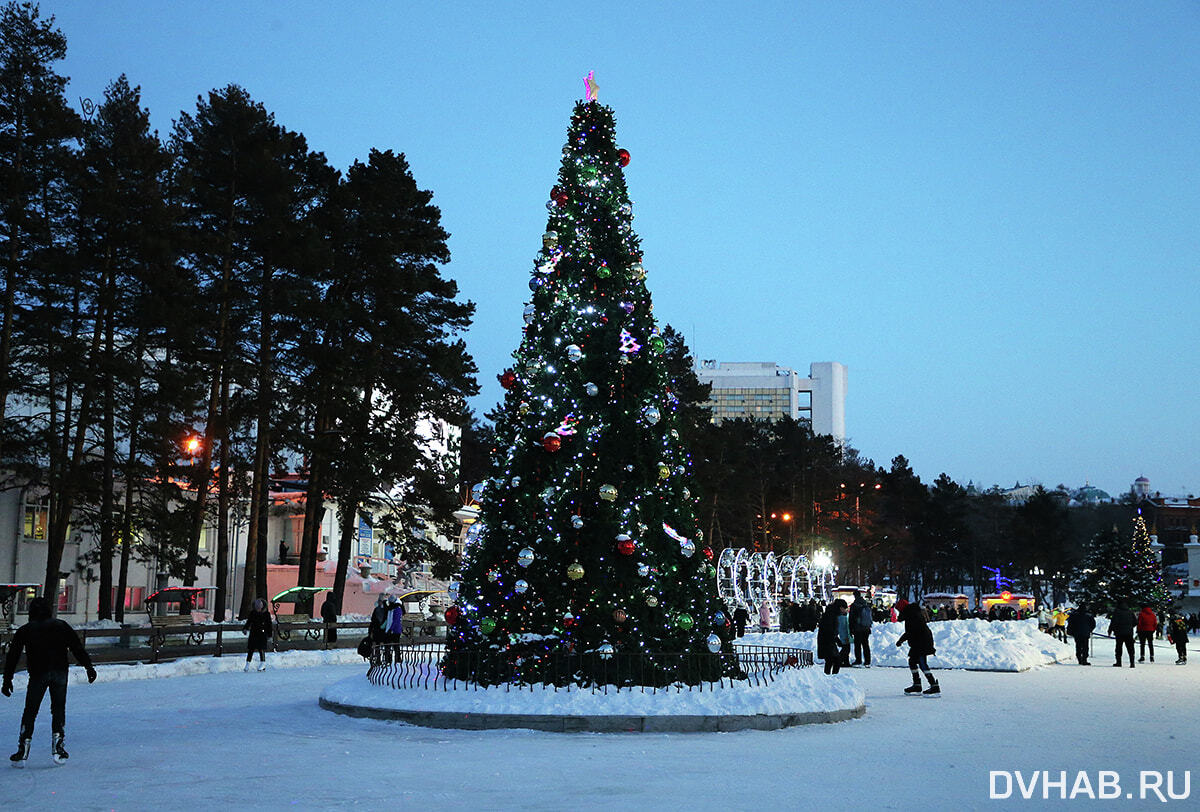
(19, 758)
(60, 752)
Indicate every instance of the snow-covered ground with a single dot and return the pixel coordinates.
(976, 645)
(230, 740)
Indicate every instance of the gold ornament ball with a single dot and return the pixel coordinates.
(575, 571)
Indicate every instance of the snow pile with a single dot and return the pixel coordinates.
(189, 666)
(975, 645)
(795, 690)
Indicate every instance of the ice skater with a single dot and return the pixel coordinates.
(920, 647)
(1177, 633)
(1080, 626)
(45, 641)
(1147, 625)
(829, 636)
(258, 624)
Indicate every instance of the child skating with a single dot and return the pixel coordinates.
(920, 646)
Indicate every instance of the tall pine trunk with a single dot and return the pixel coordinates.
(347, 510)
(107, 479)
(222, 576)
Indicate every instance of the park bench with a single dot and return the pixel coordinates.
(415, 625)
(178, 626)
(286, 624)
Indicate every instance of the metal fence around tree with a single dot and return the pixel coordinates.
(422, 666)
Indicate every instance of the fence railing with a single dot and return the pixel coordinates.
(426, 666)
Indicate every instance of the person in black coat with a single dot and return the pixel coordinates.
(1080, 625)
(920, 647)
(1121, 625)
(329, 614)
(740, 618)
(258, 624)
(829, 641)
(45, 641)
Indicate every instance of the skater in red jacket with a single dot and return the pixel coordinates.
(1147, 624)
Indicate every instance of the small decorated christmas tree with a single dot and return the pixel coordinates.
(589, 546)
(1125, 573)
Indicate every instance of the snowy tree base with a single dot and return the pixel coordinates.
(801, 697)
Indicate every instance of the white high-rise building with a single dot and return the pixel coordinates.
(767, 391)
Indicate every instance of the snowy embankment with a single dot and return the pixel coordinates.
(794, 690)
(974, 645)
(189, 666)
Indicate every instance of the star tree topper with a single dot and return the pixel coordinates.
(589, 83)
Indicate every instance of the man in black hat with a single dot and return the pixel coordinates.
(45, 641)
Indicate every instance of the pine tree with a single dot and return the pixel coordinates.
(590, 543)
(1120, 572)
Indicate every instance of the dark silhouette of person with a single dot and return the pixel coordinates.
(45, 641)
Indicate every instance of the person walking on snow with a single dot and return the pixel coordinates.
(329, 615)
(1060, 624)
(45, 641)
(829, 641)
(258, 624)
(861, 621)
(1080, 626)
(920, 647)
(1177, 633)
(1121, 625)
(764, 617)
(1147, 624)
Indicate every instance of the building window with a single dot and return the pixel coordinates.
(135, 597)
(66, 598)
(37, 519)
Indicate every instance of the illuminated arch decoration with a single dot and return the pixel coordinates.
(748, 579)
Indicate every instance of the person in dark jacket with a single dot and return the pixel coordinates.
(829, 642)
(1080, 625)
(1177, 633)
(861, 620)
(740, 618)
(920, 647)
(45, 641)
(1147, 625)
(329, 614)
(1120, 625)
(785, 615)
(381, 616)
(258, 624)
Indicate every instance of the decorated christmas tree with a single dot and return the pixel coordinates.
(589, 546)
(1123, 572)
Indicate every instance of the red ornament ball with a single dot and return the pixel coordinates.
(551, 442)
(453, 614)
(708, 553)
(561, 199)
(623, 157)
(508, 379)
(555, 191)
(626, 546)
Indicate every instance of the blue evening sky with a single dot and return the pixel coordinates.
(990, 212)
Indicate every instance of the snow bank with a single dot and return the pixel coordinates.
(188, 666)
(975, 645)
(796, 690)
